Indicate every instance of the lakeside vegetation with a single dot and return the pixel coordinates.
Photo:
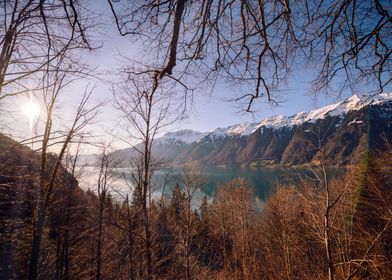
(342, 225)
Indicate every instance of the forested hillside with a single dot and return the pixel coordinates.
(302, 231)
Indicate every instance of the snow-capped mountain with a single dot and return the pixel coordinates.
(346, 130)
(185, 136)
(165, 148)
(354, 103)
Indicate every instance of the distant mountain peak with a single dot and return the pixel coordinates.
(186, 136)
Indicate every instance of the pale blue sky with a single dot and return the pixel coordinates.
(209, 111)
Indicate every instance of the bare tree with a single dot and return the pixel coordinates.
(192, 182)
(258, 43)
(64, 236)
(49, 170)
(105, 178)
(332, 208)
(146, 109)
(232, 213)
(33, 34)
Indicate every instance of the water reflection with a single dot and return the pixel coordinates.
(263, 180)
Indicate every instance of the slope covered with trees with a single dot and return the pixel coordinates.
(320, 227)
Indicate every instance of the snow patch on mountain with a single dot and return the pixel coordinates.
(186, 136)
(354, 122)
(353, 103)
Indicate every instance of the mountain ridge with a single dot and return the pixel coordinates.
(342, 129)
(353, 103)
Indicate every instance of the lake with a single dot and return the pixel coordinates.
(263, 179)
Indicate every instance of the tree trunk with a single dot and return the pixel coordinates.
(328, 245)
(130, 241)
(148, 240)
(36, 244)
(187, 245)
(99, 241)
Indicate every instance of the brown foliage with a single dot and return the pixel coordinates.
(228, 238)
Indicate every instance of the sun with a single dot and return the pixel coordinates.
(31, 109)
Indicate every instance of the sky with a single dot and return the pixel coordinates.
(209, 111)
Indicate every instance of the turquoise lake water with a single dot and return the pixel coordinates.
(262, 180)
